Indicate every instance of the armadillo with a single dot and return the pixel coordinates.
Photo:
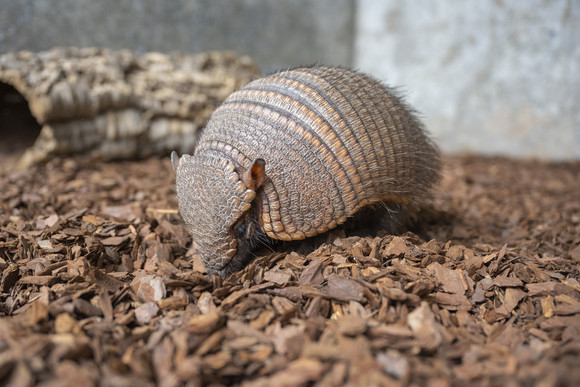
(295, 154)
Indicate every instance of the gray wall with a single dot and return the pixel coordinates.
(276, 34)
(489, 76)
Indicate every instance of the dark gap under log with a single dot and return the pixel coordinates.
(18, 128)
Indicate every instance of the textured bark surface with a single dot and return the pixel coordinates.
(117, 104)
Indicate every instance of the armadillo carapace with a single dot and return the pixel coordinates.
(293, 155)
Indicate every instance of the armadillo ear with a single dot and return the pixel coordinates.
(174, 160)
(254, 176)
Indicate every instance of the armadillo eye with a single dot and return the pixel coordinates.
(241, 230)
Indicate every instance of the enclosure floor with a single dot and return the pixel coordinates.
(98, 287)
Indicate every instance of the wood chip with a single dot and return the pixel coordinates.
(343, 289)
(278, 276)
(114, 241)
(312, 274)
(505, 282)
(146, 312)
(453, 300)
(397, 248)
(149, 288)
(512, 297)
(205, 323)
(38, 280)
(449, 280)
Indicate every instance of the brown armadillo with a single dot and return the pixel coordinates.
(293, 155)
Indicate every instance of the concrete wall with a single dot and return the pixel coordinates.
(489, 76)
(276, 33)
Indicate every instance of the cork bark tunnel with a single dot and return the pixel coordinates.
(110, 104)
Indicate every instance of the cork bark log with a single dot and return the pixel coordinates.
(118, 104)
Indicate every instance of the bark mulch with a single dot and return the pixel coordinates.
(98, 287)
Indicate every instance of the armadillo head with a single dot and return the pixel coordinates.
(214, 201)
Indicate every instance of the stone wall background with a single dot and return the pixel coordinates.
(491, 77)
